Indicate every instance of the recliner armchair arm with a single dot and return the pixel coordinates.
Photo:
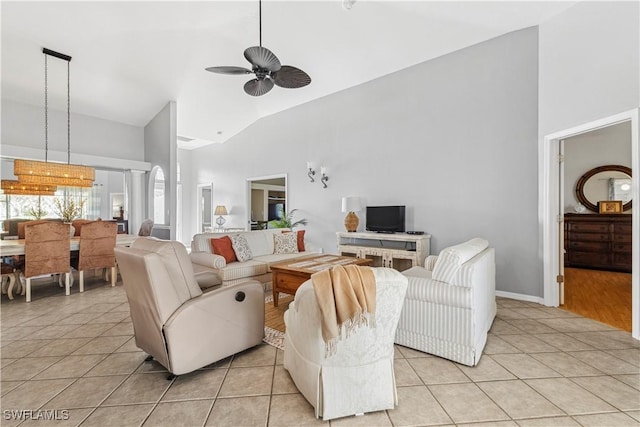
(206, 259)
(215, 325)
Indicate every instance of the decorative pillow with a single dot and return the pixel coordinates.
(285, 243)
(241, 248)
(223, 247)
(451, 259)
(301, 240)
(300, 234)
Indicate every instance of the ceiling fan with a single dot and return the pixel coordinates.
(267, 69)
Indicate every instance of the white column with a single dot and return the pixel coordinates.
(136, 199)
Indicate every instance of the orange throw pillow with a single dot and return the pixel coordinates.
(223, 247)
(301, 240)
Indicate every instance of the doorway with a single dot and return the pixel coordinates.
(551, 209)
(204, 205)
(267, 200)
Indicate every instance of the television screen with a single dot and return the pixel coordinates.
(386, 219)
(276, 211)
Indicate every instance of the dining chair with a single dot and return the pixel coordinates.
(97, 240)
(8, 278)
(46, 251)
(146, 227)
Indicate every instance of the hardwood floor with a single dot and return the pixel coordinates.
(274, 316)
(604, 296)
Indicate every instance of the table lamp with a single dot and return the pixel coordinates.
(220, 210)
(352, 205)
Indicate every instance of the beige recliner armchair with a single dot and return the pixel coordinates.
(173, 321)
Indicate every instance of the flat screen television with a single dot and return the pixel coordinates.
(385, 219)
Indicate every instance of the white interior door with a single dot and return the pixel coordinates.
(561, 249)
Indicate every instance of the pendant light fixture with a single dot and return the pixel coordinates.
(16, 188)
(48, 174)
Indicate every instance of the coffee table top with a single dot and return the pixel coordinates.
(314, 263)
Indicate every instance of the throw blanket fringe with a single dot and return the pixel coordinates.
(346, 296)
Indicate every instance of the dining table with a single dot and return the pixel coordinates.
(16, 247)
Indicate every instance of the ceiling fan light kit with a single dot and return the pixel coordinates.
(267, 68)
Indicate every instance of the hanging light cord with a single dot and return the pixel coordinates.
(68, 114)
(46, 110)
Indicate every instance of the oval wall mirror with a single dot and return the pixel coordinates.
(609, 182)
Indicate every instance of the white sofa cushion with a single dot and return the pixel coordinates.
(451, 258)
(274, 258)
(239, 270)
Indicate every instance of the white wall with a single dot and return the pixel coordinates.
(607, 146)
(23, 125)
(160, 149)
(453, 139)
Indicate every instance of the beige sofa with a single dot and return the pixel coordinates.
(212, 270)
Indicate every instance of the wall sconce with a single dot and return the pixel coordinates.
(311, 172)
(324, 178)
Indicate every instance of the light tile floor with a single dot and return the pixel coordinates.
(542, 366)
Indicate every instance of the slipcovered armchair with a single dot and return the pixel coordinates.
(359, 376)
(173, 321)
(451, 303)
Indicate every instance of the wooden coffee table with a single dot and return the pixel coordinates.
(287, 276)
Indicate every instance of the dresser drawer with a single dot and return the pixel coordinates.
(589, 246)
(622, 228)
(622, 260)
(622, 247)
(590, 237)
(590, 259)
(589, 227)
(626, 238)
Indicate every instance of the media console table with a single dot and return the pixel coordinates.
(398, 250)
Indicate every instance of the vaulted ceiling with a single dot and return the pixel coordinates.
(131, 58)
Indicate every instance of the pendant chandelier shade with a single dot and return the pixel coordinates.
(22, 189)
(49, 173)
(34, 175)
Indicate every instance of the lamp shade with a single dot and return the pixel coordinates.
(351, 204)
(220, 210)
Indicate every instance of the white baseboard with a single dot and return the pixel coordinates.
(520, 297)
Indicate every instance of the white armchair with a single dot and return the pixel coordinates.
(359, 377)
(451, 303)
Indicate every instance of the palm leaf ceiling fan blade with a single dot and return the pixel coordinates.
(257, 87)
(291, 77)
(229, 70)
(262, 57)
(267, 68)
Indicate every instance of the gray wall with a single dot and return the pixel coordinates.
(454, 139)
(607, 146)
(589, 64)
(160, 149)
(23, 125)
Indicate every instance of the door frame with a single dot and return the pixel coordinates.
(199, 206)
(261, 178)
(550, 208)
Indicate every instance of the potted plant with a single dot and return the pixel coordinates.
(68, 208)
(37, 212)
(287, 221)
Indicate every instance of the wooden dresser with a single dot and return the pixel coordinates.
(598, 241)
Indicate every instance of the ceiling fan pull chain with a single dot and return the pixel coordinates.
(260, 19)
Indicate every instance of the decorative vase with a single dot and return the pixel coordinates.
(351, 222)
(580, 208)
(72, 229)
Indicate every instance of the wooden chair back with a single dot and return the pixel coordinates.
(46, 248)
